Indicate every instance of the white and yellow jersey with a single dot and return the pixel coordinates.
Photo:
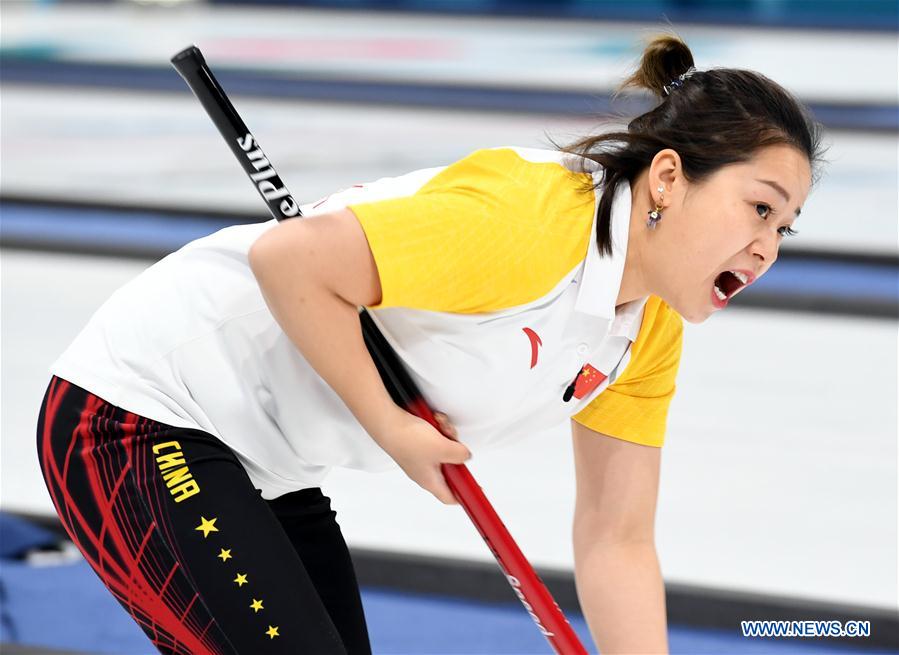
(493, 295)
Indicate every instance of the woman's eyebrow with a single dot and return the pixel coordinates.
(781, 190)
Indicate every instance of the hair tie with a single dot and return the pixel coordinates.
(678, 81)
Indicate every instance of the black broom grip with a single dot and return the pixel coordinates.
(192, 67)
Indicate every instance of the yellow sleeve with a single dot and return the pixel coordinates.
(490, 231)
(635, 406)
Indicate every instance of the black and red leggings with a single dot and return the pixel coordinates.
(171, 523)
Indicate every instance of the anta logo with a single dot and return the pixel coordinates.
(180, 482)
(535, 344)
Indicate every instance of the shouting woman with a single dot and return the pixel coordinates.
(185, 433)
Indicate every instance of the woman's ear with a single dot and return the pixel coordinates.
(665, 171)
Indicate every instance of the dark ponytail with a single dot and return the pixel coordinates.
(714, 118)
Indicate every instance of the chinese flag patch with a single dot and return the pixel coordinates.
(587, 381)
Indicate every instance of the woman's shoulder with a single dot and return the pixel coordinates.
(511, 158)
(547, 189)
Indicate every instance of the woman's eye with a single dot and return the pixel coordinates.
(787, 231)
(766, 207)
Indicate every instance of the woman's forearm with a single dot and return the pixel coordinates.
(325, 328)
(622, 594)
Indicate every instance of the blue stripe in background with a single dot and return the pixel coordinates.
(880, 15)
(17, 67)
(831, 278)
(104, 229)
(154, 234)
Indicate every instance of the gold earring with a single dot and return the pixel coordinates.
(656, 214)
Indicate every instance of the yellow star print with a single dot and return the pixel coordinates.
(225, 554)
(256, 605)
(207, 526)
(272, 632)
(241, 579)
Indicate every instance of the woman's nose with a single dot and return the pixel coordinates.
(765, 247)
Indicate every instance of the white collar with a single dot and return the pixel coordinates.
(601, 279)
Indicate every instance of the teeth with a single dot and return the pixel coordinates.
(718, 292)
(742, 277)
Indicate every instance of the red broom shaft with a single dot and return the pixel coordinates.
(524, 580)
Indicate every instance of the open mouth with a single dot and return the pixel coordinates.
(730, 283)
